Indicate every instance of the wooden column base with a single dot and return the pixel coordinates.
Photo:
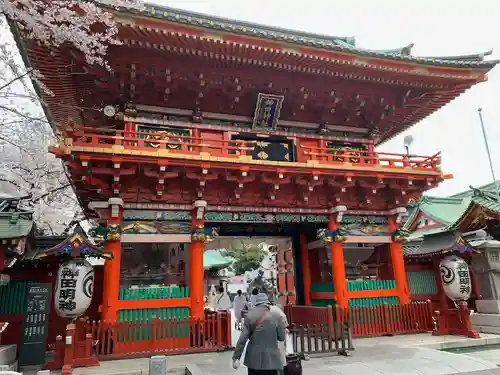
(455, 322)
(77, 354)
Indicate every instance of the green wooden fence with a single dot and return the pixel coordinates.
(153, 292)
(146, 315)
(354, 286)
(422, 282)
(13, 297)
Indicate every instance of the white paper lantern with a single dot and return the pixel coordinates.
(74, 288)
(455, 277)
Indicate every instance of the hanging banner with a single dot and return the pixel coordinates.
(455, 277)
(74, 288)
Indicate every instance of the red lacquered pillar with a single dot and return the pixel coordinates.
(111, 284)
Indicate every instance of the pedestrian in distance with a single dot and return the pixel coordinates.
(222, 300)
(253, 297)
(239, 305)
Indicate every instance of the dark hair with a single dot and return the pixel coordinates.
(255, 291)
(221, 289)
(239, 292)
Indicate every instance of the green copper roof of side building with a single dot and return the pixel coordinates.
(14, 227)
(491, 187)
(14, 221)
(333, 43)
(444, 210)
(450, 210)
(214, 258)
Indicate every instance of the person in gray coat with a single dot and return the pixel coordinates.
(262, 329)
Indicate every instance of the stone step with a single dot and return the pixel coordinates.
(491, 371)
(7, 354)
(109, 371)
(485, 320)
(486, 323)
(487, 329)
(10, 367)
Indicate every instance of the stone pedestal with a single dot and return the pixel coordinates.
(487, 267)
(488, 306)
(487, 318)
(8, 358)
(158, 365)
(486, 323)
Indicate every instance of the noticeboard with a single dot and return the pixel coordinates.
(35, 324)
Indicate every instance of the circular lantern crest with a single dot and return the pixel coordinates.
(74, 288)
(455, 277)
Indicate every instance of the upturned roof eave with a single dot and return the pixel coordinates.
(26, 230)
(340, 44)
(475, 203)
(24, 55)
(97, 252)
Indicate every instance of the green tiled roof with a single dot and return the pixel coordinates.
(448, 241)
(418, 234)
(411, 247)
(214, 258)
(446, 210)
(490, 203)
(443, 210)
(491, 187)
(341, 44)
(450, 210)
(13, 225)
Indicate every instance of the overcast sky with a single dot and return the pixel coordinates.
(438, 28)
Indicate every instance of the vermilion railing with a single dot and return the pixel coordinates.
(388, 319)
(367, 321)
(117, 340)
(221, 145)
(307, 315)
(354, 156)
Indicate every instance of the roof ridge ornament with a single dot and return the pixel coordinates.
(477, 57)
(402, 51)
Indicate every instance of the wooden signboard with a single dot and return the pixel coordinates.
(35, 325)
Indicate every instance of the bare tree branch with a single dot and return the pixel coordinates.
(50, 192)
(15, 79)
(12, 144)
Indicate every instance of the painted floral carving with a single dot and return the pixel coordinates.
(400, 235)
(329, 236)
(204, 234)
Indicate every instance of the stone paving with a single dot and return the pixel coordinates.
(482, 372)
(367, 360)
(488, 355)
(404, 355)
(398, 355)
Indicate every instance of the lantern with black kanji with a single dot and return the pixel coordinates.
(74, 288)
(455, 277)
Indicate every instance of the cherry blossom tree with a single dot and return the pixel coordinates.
(63, 21)
(26, 167)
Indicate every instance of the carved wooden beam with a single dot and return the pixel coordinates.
(156, 172)
(274, 181)
(203, 176)
(240, 179)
